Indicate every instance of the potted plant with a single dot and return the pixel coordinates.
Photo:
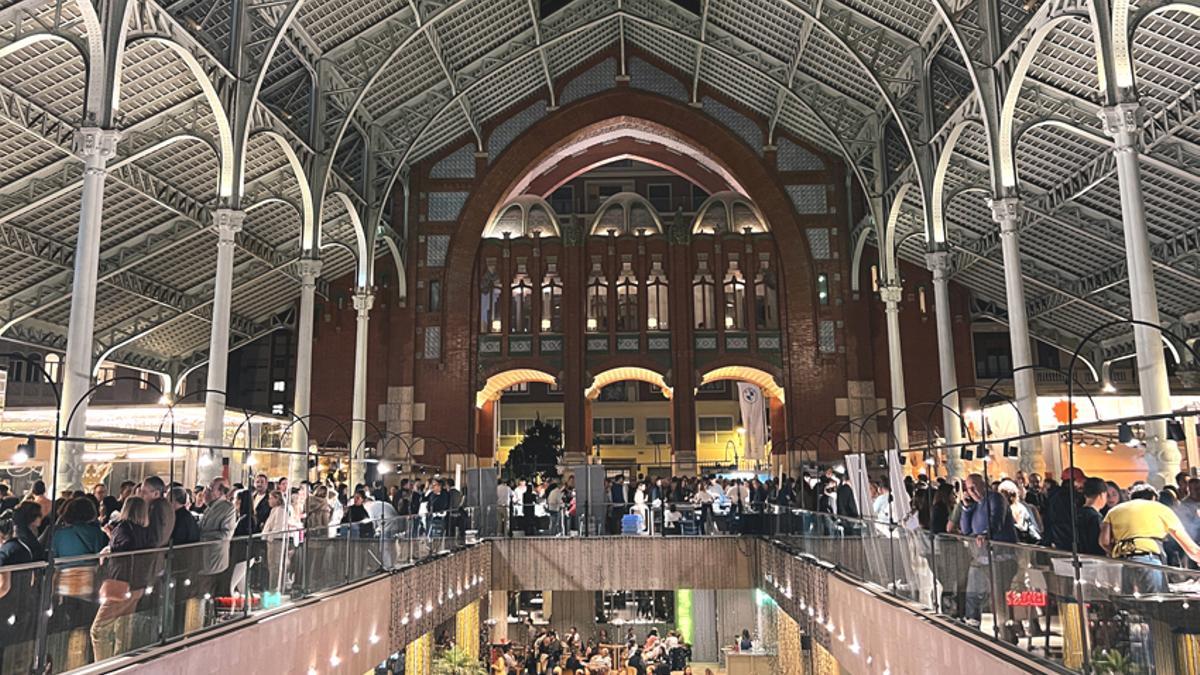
(455, 661)
(1112, 662)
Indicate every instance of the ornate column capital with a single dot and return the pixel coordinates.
(891, 294)
(308, 269)
(227, 223)
(940, 263)
(364, 300)
(1123, 122)
(96, 144)
(1007, 211)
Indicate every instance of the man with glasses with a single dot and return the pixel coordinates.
(986, 516)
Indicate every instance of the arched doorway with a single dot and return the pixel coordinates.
(507, 404)
(760, 435)
(628, 411)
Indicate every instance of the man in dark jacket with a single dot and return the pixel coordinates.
(1058, 514)
(186, 530)
(1095, 493)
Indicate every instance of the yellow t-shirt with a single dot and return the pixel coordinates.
(1140, 526)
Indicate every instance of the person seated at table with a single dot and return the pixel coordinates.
(601, 663)
(1136, 530)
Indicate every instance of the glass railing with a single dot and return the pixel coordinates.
(76, 611)
(1082, 613)
(651, 519)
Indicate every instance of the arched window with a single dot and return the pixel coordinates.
(704, 298)
(54, 367)
(627, 298)
(656, 298)
(597, 300)
(552, 294)
(16, 369)
(489, 300)
(735, 297)
(766, 296)
(106, 374)
(521, 309)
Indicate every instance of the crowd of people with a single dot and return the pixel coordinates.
(110, 549)
(229, 543)
(569, 654)
(1084, 514)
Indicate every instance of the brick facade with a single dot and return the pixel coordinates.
(444, 377)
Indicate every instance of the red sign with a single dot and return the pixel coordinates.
(1025, 598)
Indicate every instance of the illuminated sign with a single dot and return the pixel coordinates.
(1025, 598)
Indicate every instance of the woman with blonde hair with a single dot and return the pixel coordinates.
(126, 577)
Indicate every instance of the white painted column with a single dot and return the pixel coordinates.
(1035, 456)
(227, 223)
(1123, 123)
(891, 295)
(95, 147)
(308, 269)
(939, 263)
(364, 299)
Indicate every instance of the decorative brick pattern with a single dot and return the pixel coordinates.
(627, 343)
(552, 345)
(489, 344)
(737, 122)
(445, 206)
(791, 156)
(827, 337)
(706, 342)
(739, 343)
(818, 243)
(658, 343)
(436, 246)
(458, 164)
(433, 342)
(650, 78)
(597, 344)
(768, 343)
(520, 345)
(509, 129)
(808, 199)
(592, 81)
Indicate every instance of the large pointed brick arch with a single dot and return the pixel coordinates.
(745, 164)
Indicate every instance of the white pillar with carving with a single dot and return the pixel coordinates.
(94, 147)
(227, 223)
(364, 299)
(1035, 456)
(308, 269)
(891, 295)
(1123, 123)
(939, 263)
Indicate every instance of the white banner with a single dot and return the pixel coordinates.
(901, 505)
(856, 476)
(754, 420)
